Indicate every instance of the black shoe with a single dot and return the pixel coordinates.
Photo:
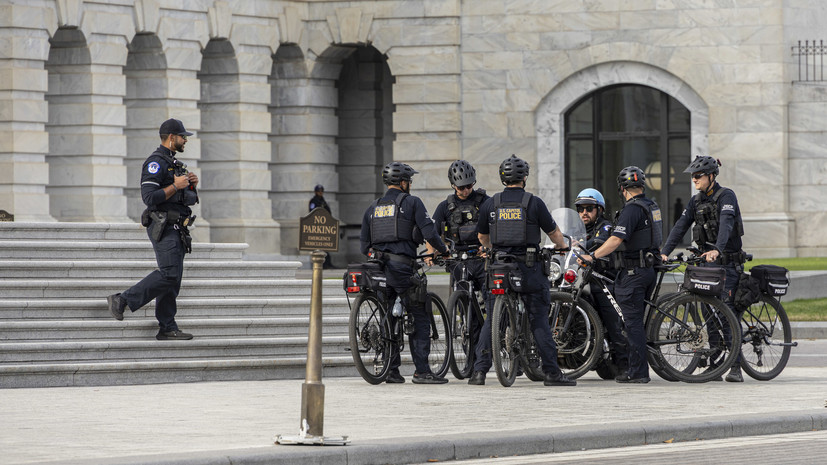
(558, 380)
(394, 378)
(173, 335)
(116, 305)
(734, 375)
(428, 378)
(626, 379)
(477, 379)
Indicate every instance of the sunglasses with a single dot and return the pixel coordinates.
(465, 188)
(698, 175)
(588, 208)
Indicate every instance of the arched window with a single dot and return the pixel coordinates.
(623, 125)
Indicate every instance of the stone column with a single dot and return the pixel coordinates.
(235, 124)
(24, 142)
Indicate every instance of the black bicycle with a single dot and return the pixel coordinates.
(465, 309)
(376, 335)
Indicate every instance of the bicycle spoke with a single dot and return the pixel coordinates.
(766, 340)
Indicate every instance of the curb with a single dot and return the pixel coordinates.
(491, 444)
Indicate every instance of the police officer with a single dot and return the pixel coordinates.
(591, 206)
(392, 227)
(634, 248)
(168, 191)
(318, 199)
(456, 219)
(718, 229)
(519, 235)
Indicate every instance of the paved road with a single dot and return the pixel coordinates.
(223, 421)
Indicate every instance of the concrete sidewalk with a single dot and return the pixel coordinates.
(235, 422)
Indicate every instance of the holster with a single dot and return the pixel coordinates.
(157, 224)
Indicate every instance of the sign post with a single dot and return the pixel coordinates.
(319, 232)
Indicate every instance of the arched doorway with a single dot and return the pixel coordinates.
(621, 125)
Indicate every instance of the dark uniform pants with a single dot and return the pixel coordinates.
(162, 284)
(399, 281)
(476, 274)
(632, 286)
(733, 274)
(537, 301)
(613, 324)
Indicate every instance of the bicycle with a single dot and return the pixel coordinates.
(376, 336)
(512, 342)
(766, 340)
(466, 314)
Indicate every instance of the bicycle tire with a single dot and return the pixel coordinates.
(530, 360)
(504, 350)
(579, 340)
(440, 337)
(691, 325)
(765, 326)
(369, 336)
(462, 345)
(651, 334)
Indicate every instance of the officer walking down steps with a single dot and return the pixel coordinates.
(392, 227)
(518, 233)
(168, 190)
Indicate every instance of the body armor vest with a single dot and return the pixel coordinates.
(654, 225)
(705, 230)
(386, 223)
(461, 226)
(510, 228)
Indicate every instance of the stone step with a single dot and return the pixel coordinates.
(60, 231)
(103, 350)
(63, 330)
(88, 288)
(137, 269)
(190, 307)
(109, 250)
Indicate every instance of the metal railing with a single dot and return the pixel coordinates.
(810, 60)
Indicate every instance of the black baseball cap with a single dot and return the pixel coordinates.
(318, 187)
(173, 126)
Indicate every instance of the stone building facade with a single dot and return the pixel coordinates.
(284, 95)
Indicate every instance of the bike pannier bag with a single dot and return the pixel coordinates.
(361, 277)
(503, 276)
(747, 292)
(772, 280)
(704, 280)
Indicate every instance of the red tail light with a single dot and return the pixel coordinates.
(570, 276)
(498, 287)
(355, 287)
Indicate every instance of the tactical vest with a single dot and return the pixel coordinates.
(386, 223)
(461, 225)
(654, 224)
(705, 230)
(510, 228)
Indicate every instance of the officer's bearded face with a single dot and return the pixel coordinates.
(178, 143)
(587, 216)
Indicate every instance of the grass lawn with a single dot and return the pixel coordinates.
(792, 264)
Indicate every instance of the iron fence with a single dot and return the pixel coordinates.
(810, 60)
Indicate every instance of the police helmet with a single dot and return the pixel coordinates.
(513, 170)
(703, 164)
(461, 173)
(590, 197)
(631, 176)
(396, 172)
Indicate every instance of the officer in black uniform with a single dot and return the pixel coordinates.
(634, 246)
(591, 206)
(519, 235)
(168, 190)
(318, 199)
(718, 229)
(392, 227)
(456, 219)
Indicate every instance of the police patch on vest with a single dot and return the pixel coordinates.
(510, 214)
(656, 215)
(153, 167)
(384, 211)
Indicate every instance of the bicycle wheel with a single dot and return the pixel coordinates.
(766, 340)
(370, 341)
(462, 345)
(530, 360)
(440, 354)
(578, 333)
(692, 328)
(504, 350)
(652, 355)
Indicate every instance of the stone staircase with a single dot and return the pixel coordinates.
(249, 318)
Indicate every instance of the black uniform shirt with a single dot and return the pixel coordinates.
(412, 209)
(318, 201)
(728, 214)
(632, 220)
(597, 233)
(537, 214)
(158, 172)
(442, 214)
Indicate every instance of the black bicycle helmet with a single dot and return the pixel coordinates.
(703, 164)
(396, 172)
(461, 173)
(513, 170)
(631, 176)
